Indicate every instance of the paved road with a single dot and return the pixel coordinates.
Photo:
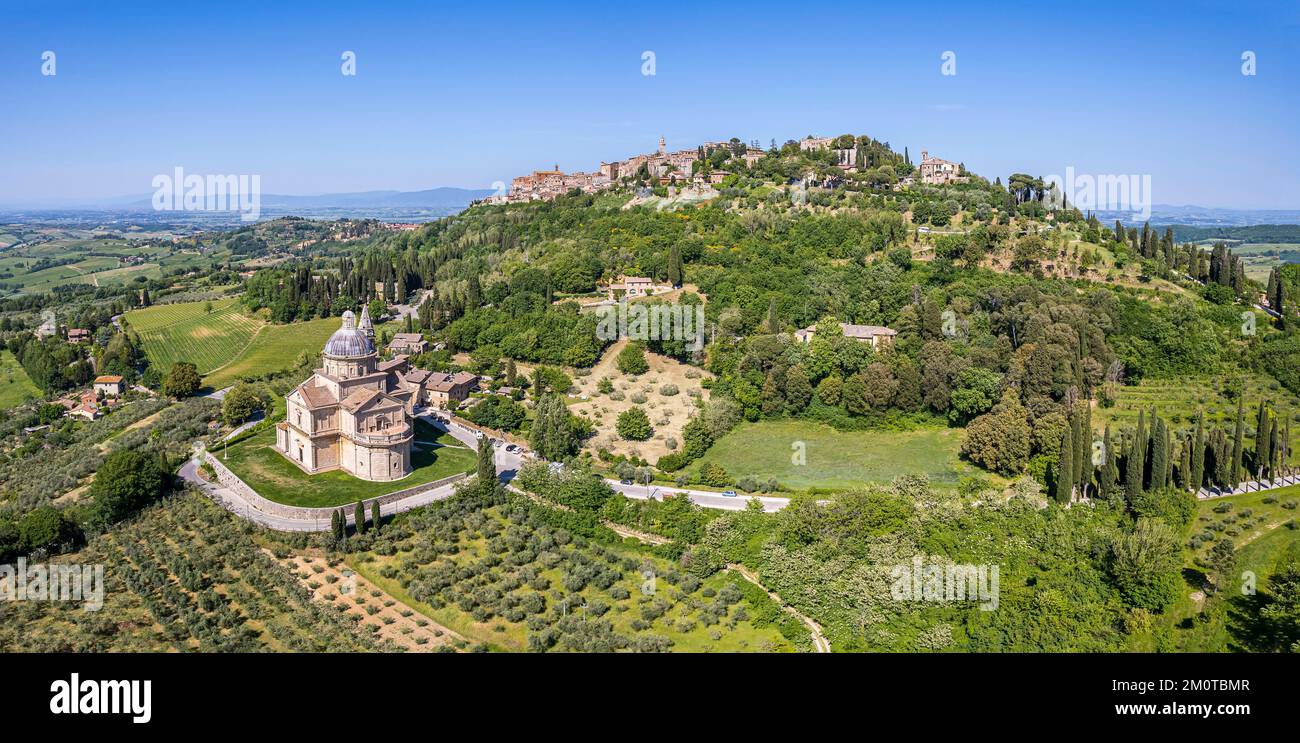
(253, 421)
(702, 498)
(507, 464)
(237, 505)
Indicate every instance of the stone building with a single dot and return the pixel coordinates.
(936, 171)
(877, 335)
(350, 414)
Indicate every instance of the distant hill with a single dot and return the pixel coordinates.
(442, 198)
(1208, 216)
(1259, 233)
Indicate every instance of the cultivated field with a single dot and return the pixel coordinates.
(225, 343)
(190, 332)
(1261, 528)
(835, 459)
(335, 584)
(15, 385)
(490, 580)
(275, 347)
(184, 576)
(667, 413)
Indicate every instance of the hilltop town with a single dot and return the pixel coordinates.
(703, 167)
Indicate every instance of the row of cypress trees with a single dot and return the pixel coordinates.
(1153, 456)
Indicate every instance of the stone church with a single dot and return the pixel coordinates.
(354, 413)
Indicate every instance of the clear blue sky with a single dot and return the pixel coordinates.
(465, 94)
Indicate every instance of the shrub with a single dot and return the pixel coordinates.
(634, 425)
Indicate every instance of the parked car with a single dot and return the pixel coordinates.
(729, 493)
(625, 481)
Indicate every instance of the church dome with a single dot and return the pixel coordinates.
(348, 341)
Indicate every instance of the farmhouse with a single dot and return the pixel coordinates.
(632, 286)
(349, 415)
(410, 343)
(78, 335)
(877, 335)
(935, 171)
(110, 385)
(444, 390)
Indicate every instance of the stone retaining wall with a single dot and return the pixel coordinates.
(234, 483)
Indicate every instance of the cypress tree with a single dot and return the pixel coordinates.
(487, 469)
(1159, 454)
(359, 514)
(1185, 464)
(1082, 443)
(1238, 437)
(675, 265)
(1198, 454)
(1261, 434)
(335, 525)
(1133, 466)
(473, 293)
(1109, 472)
(1065, 477)
(374, 515)
(1285, 456)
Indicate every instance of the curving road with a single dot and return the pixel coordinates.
(702, 498)
(507, 464)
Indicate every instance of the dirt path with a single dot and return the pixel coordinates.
(819, 639)
(619, 529)
(251, 339)
(148, 419)
(625, 531)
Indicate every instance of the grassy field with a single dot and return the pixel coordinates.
(258, 463)
(835, 459)
(275, 347)
(95, 261)
(225, 343)
(189, 332)
(1259, 525)
(521, 572)
(15, 385)
(1177, 401)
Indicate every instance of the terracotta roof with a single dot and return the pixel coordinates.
(359, 398)
(396, 363)
(416, 376)
(316, 395)
(445, 382)
(865, 331)
(108, 379)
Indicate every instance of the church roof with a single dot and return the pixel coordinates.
(315, 395)
(349, 341)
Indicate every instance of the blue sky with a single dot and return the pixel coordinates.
(470, 93)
